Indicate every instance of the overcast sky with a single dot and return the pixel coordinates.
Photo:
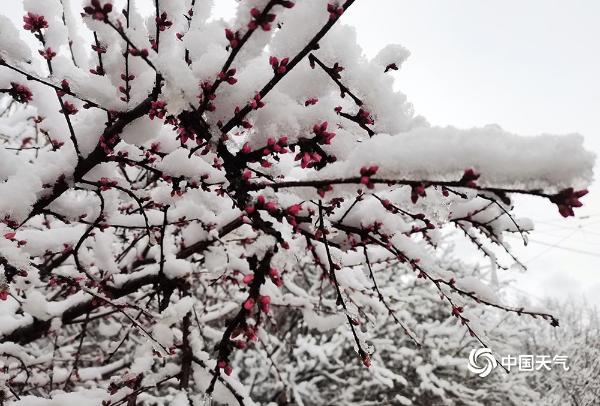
(530, 66)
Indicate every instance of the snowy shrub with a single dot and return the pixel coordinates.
(579, 340)
(176, 191)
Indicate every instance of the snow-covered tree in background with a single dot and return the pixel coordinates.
(579, 340)
(177, 191)
(312, 364)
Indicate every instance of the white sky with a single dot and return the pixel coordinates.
(530, 66)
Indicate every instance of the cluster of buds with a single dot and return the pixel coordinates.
(98, 70)
(69, 108)
(456, 311)
(143, 53)
(334, 71)
(334, 10)
(222, 364)
(365, 175)
(275, 277)
(208, 95)
(162, 23)
(158, 109)
(364, 117)
(20, 93)
(366, 360)
(263, 303)
(34, 22)
(228, 76)
(249, 304)
(56, 144)
(47, 53)
(322, 136)
(126, 89)
(185, 134)
(106, 184)
(233, 38)
(256, 102)
(417, 229)
(246, 175)
(108, 143)
(150, 153)
(130, 380)
(11, 236)
(261, 20)
(292, 212)
(389, 206)
(308, 159)
(311, 101)
(323, 190)
(246, 148)
(99, 49)
(418, 190)
(65, 88)
(567, 200)
(274, 146)
(279, 67)
(250, 333)
(98, 11)
(375, 228)
(262, 204)
(9, 222)
(469, 177)
(245, 123)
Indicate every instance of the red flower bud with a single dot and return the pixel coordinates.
(248, 278)
(249, 304)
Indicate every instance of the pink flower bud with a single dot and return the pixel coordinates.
(294, 209)
(274, 273)
(249, 304)
(264, 303)
(366, 360)
(271, 206)
(248, 278)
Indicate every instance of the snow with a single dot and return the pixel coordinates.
(322, 323)
(392, 54)
(90, 397)
(12, 48)
(503, 159)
